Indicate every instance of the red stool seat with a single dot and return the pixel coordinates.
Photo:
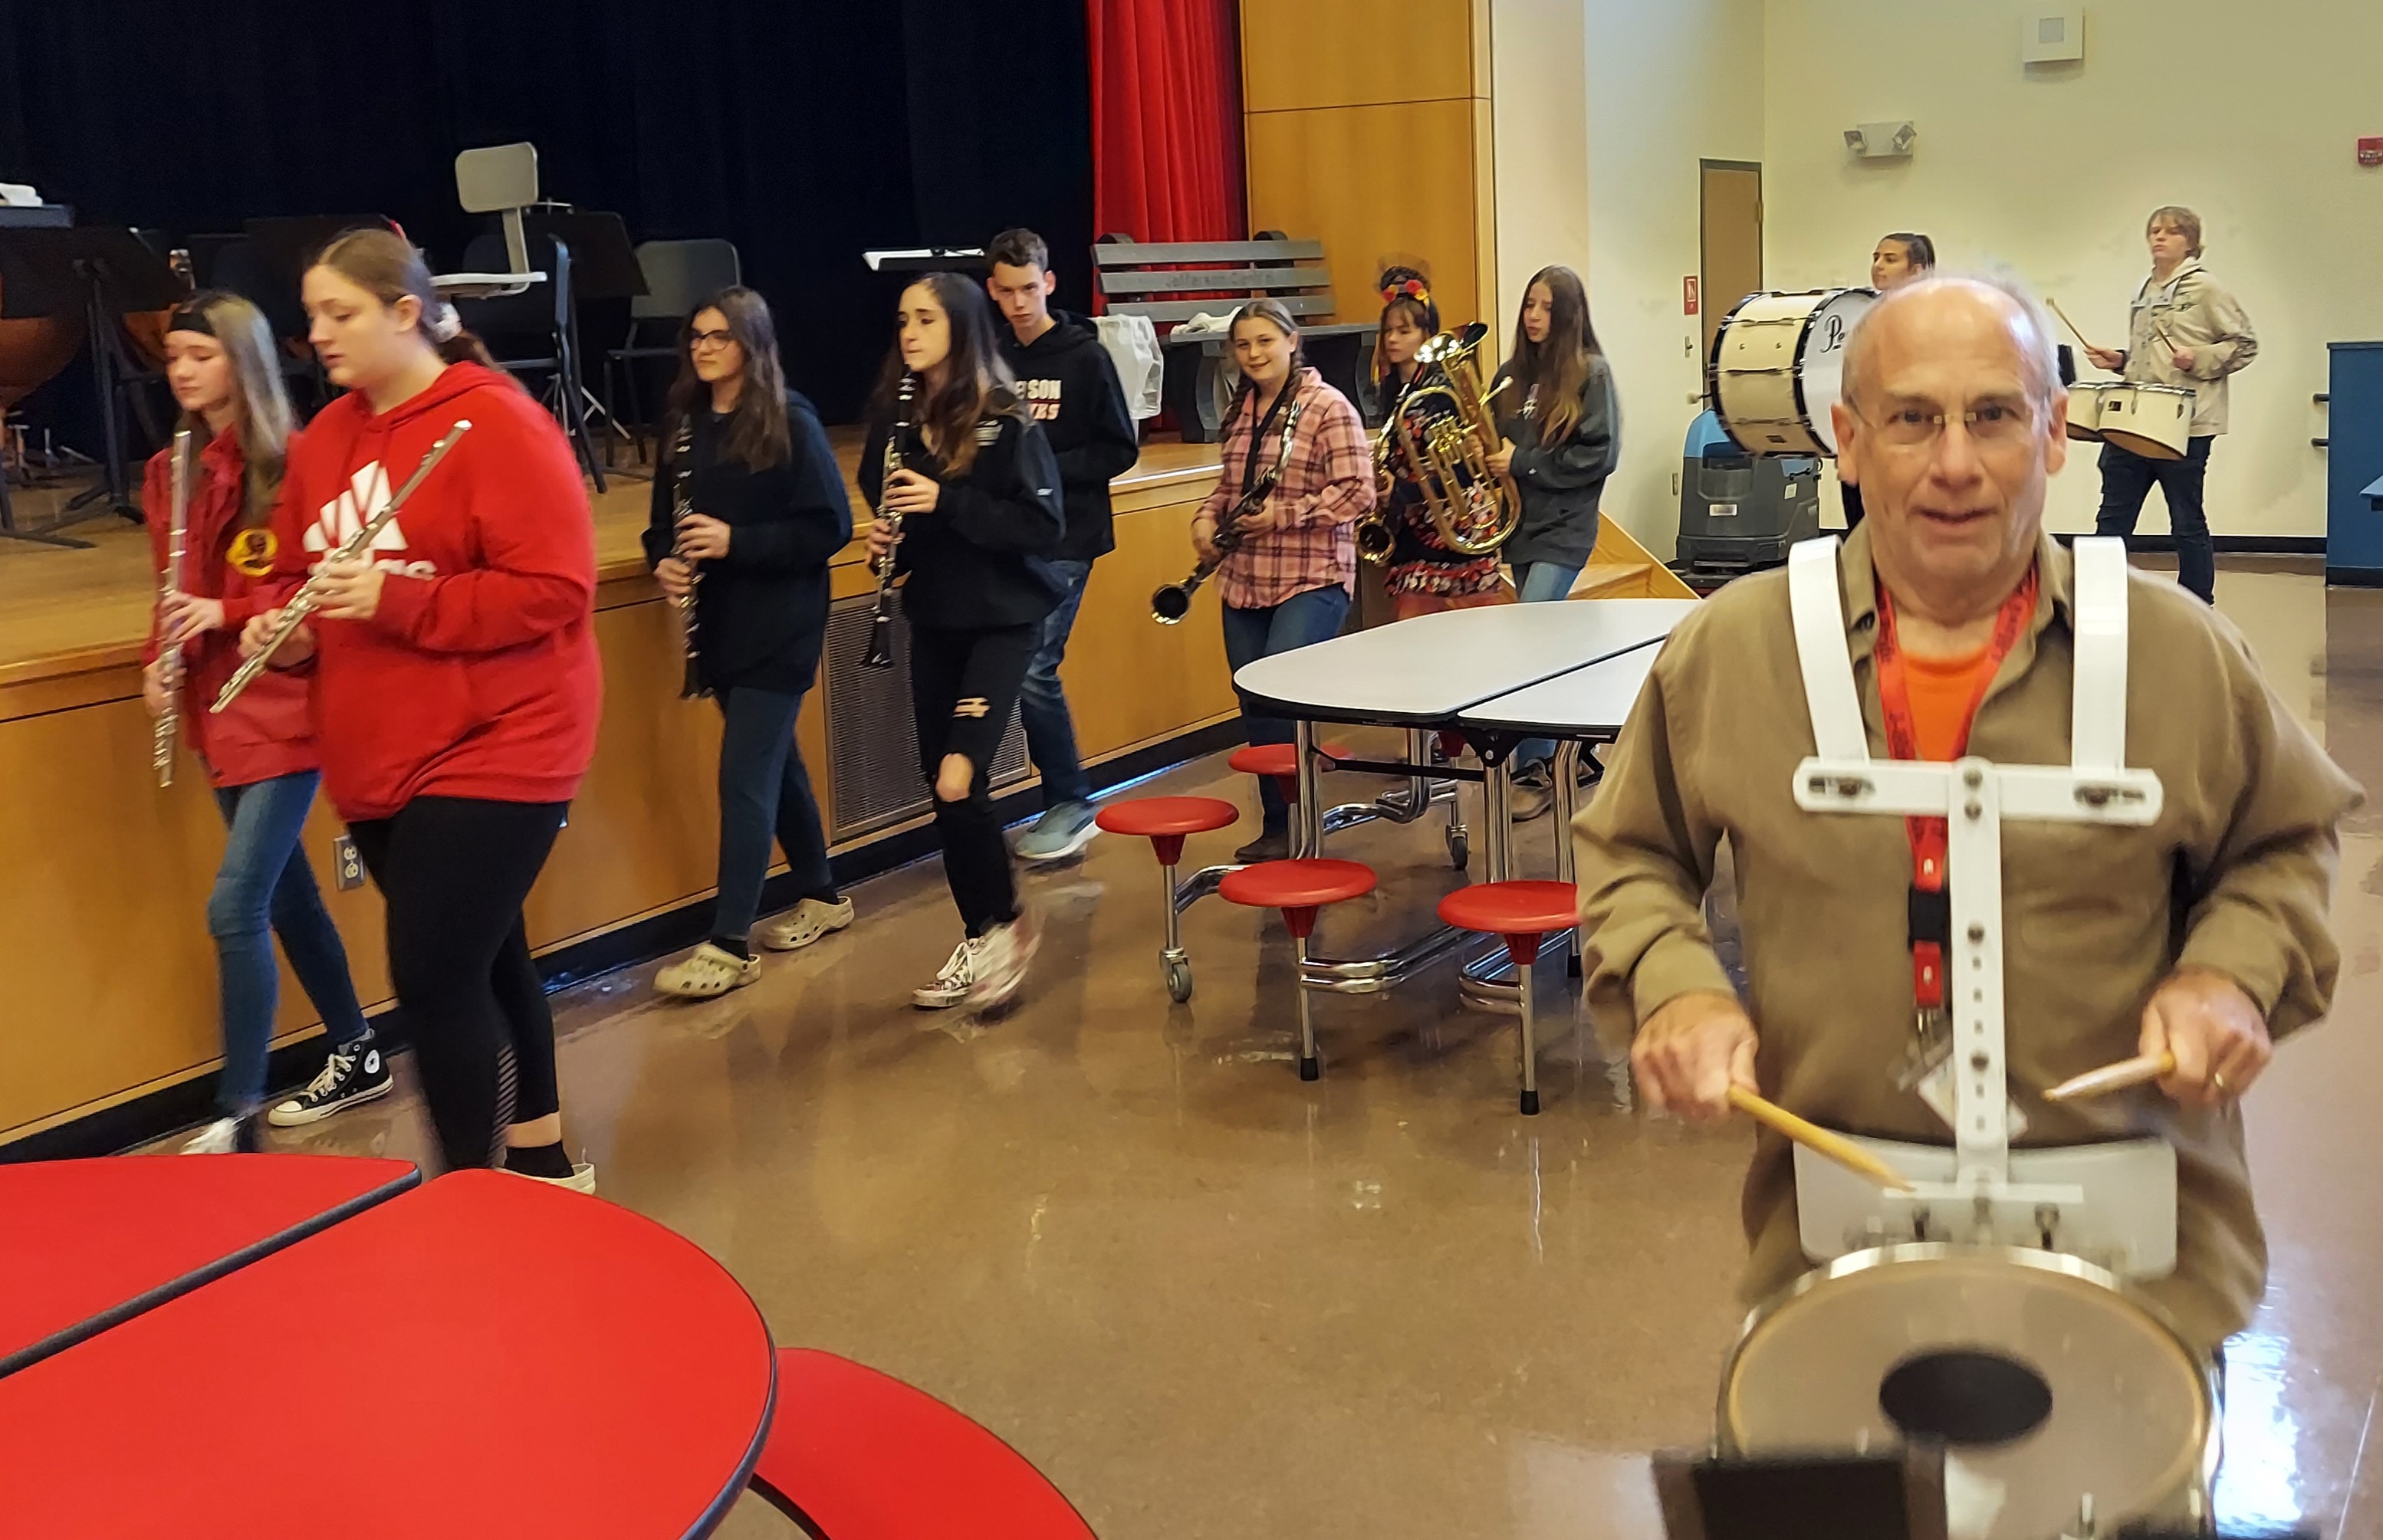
(1513, 909)
(1156, 816)
(1296, 885)
(858, 1455)
(1277, 759)
(1521, 915)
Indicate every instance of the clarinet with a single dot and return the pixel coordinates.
(169, 721)
(879, 653)
(682, 448)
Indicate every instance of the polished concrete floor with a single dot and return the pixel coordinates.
(1210, 1301)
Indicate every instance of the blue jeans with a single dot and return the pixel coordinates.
(1042, 705)
(265, 883)
(763, 790)
(1300, 620)
(2127, 478)
(1540, 583)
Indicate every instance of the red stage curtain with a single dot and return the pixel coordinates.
(1167, 120)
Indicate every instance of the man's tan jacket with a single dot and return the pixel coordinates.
(2235, 876)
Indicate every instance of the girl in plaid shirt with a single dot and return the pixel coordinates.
(1288, 583)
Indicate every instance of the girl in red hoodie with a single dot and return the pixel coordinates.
(456, 680)
(260, 754)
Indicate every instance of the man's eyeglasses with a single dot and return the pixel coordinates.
(698, 340)
(1994, 423)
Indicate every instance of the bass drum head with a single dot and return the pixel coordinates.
(1821, 371)
(2044, 1376)
(1778, 365)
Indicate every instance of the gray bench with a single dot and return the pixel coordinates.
(1156, 279)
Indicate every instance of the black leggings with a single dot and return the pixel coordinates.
(454, 872)
(963, 689)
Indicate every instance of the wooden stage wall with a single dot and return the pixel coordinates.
(107, 976)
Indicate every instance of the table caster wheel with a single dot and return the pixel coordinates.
(1310, 1070)
(1530, 1103)
(1460, 848)
(1179, 981)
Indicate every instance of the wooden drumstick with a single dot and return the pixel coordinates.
(2072, 326)
(1820, 1140)
(2115, 1077)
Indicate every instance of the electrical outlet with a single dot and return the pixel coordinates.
(347, 866)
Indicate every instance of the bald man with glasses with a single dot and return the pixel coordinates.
(2203, 934)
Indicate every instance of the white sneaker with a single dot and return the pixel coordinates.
(582, 1177)
(1001, 967)
(810, 920)
(952, 983)
(708, 971)
(225, 1136)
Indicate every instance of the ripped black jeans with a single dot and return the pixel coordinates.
(963, 692)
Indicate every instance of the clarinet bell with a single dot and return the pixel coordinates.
(880, 651)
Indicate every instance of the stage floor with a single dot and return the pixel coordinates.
(67, 611)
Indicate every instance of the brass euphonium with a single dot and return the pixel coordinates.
(1440, 436)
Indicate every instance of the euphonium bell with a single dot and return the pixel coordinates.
(1440, 436)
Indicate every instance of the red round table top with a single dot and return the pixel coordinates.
(484, 1356)
(91, 1243)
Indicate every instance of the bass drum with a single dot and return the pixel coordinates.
(1778, 365)
(2050, 1382)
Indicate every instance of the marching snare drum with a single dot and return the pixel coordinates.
(2155, 421)
(2047, 1379)
(2085, 411)
(1778, 364)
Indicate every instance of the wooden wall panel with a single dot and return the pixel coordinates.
(108, 979)
(1376, 185)
(1299, 54)
(1130, 680)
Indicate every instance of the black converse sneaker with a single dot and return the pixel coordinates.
(356, 1074)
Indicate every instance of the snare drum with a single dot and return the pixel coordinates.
(1778, 364)
(2154, 421)
(2048, 1380)
(2085, 411)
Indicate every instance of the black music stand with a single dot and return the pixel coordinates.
(104, 271)
(604, 266)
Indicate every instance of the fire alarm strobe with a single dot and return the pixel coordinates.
(2370, 152)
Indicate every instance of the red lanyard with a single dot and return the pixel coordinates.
(1930, 917)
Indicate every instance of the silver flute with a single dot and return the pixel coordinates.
(309, 596)
(168, 727)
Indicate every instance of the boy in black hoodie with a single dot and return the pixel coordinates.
(1070, 386)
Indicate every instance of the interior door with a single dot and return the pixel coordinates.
(1732, 254)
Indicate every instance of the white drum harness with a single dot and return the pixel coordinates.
(2114, 1204)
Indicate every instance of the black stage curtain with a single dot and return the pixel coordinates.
(804, 130)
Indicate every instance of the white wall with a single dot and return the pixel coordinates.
(1539, 103)
(1670, 82)
(2247, 113)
